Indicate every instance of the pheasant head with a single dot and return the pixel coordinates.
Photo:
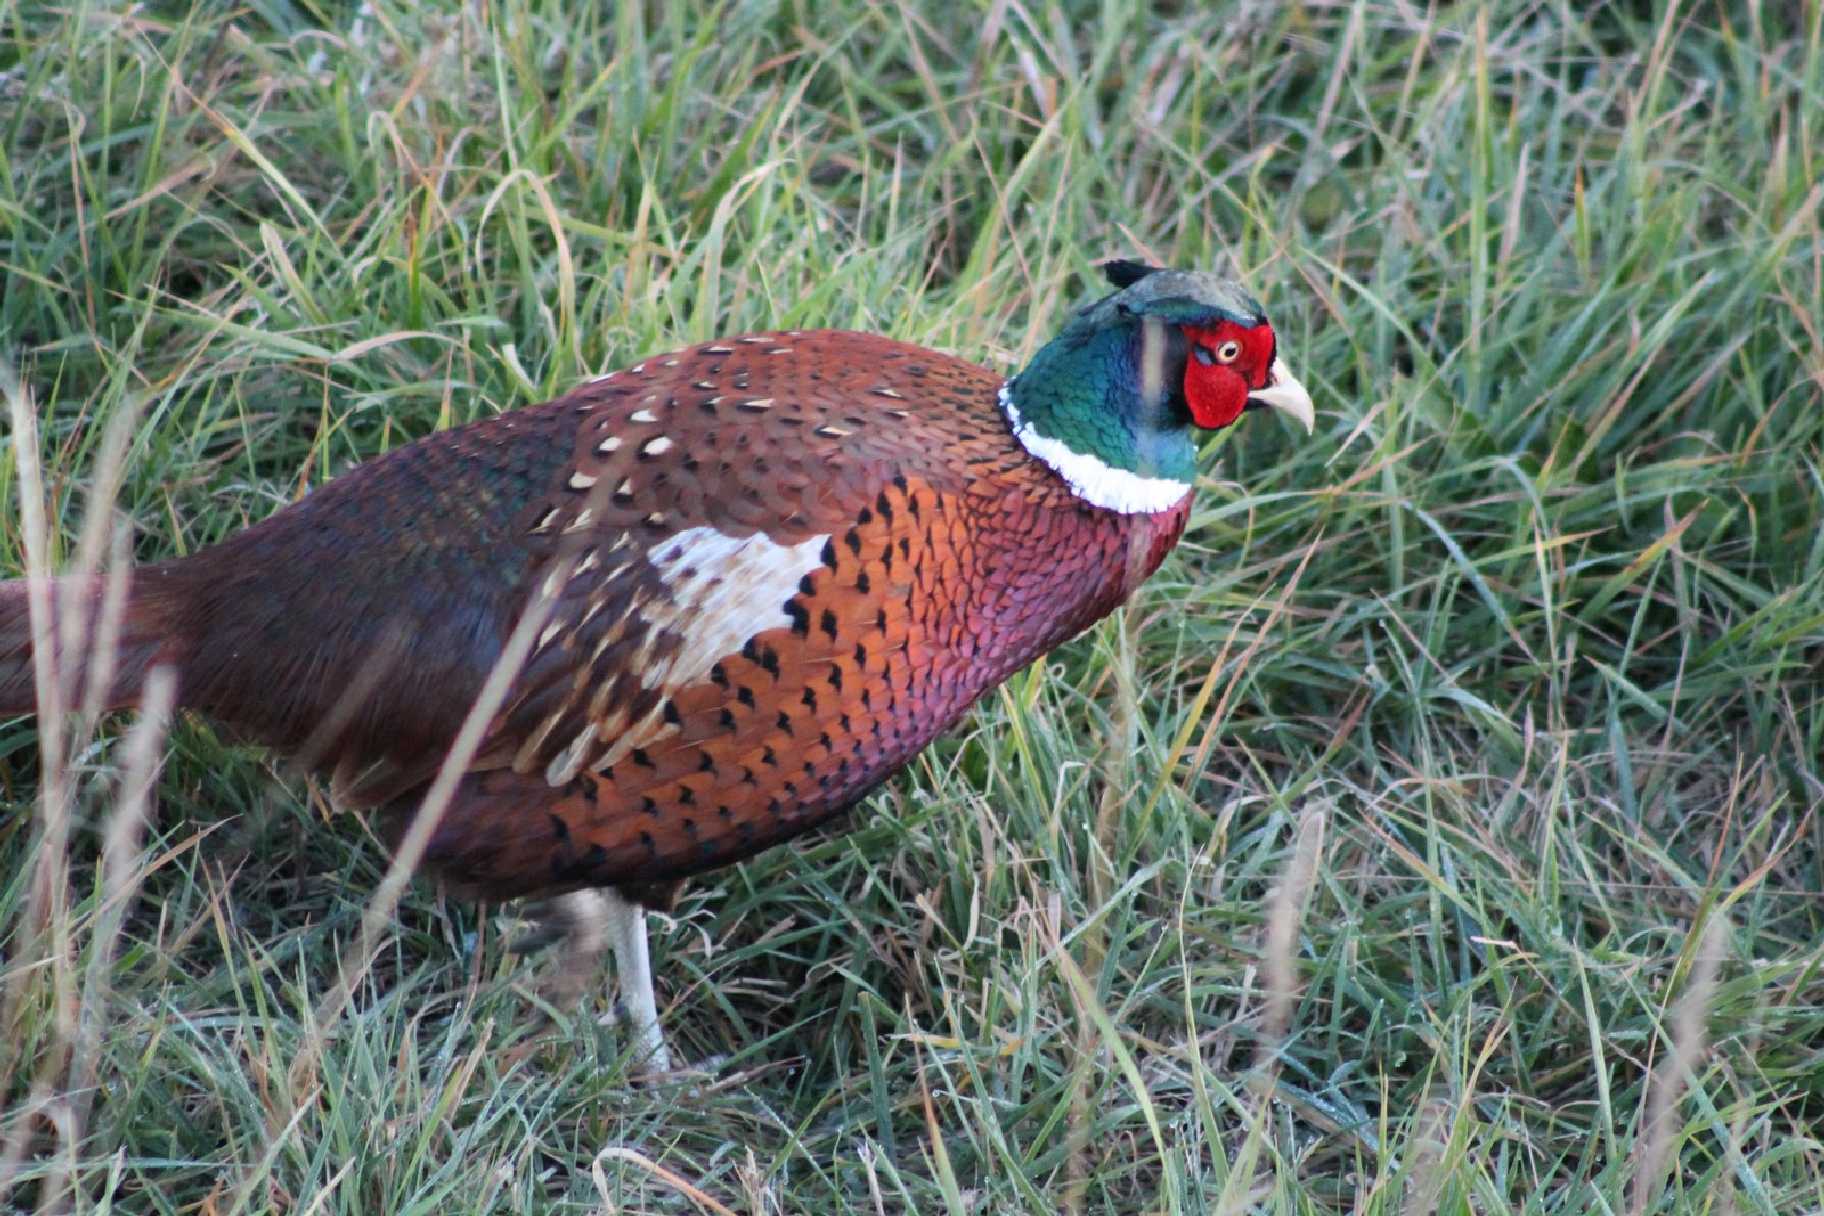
(1111, 402)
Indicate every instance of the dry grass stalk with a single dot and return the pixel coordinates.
(67, 643)
(1425, 1157)
(417, 837)
(1279, 970)
(1279, 953)
(121, 872)
(673, 1180)
(1116, 788)
(1690, 1038)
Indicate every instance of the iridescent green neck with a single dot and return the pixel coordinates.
(1095, 405)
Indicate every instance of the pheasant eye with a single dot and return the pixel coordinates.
(1203, 354)
(1228, 352)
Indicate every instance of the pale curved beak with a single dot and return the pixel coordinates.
(1285, 393)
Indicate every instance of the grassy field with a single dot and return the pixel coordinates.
(1437, 832)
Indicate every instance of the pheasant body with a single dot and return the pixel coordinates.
(766, 572)
(852, 577)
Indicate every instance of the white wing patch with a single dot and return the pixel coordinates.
(722, 590)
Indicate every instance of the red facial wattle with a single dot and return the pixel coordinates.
(1216, 388)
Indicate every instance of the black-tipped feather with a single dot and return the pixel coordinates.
(1124, 272)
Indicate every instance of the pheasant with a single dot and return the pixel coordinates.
(768, 570)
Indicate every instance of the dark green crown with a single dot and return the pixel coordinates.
(1181, 297)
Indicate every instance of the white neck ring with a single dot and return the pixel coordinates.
(1089, 477)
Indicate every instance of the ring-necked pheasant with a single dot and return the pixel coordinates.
(775, 567)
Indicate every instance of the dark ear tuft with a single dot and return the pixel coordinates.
(1124, 273)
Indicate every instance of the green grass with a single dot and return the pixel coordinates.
(1526, 645)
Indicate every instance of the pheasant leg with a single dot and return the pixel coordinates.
(626, 925)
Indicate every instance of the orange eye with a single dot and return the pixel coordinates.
(1228, 352)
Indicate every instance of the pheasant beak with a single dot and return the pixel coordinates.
(1284, 392)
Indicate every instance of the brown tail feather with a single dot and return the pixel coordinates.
(144, 640)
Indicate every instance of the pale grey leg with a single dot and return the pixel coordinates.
(625, 923)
